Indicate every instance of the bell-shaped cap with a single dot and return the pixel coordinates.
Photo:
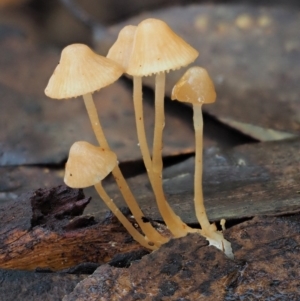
(88, 165)
(121, 50)
(157, 48)
(195, 87)
(81, 71)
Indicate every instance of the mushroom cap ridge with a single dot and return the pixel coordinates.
(81, 71)
(157, 48)
(121, 50)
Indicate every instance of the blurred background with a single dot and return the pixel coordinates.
(56, 22)
(250, 48)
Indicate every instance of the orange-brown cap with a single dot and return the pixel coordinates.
(157, 48)
(195, 87)
(121, 50)
(88, 165)
(81, 71)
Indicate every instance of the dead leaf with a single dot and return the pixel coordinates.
(252, 54)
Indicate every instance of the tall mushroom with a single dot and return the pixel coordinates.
(81, 72)
(87, 166)
(157, 49)
(120, 52)
(196, 87)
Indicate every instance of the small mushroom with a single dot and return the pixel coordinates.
(81, 72)
(196, 87)
(88, 165)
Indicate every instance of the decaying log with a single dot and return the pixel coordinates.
(45, 229)
(266, 267)
(182, 269)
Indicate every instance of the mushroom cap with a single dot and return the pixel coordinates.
(121, 50)
(81, 71)
(195, 87)
(157, 48)
(88, 165)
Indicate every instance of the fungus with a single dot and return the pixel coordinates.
(121, 50)
(157, 49)
(88, 165)
(81, 72)
(196, 87)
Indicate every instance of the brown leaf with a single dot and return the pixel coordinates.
(252, 54)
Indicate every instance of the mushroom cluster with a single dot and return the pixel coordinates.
(151, 48)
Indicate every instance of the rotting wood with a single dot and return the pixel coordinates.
(45, 229)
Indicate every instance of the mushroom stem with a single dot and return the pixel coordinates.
(174, 223)
(159, 123)
(125, 222)
(93, 115)
(129, 198)
(217, 239)
(198, 198)
(140, 125)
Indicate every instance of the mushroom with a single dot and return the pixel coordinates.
(120, 51)
(196, 87)
(156, 49)
(88, 165)
(81, 72)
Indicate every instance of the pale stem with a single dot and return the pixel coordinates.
(177, 227)
(174, 223)
(129, 198)
(140, 125)
(198, 198)
(159, 123)
(217, 239)
(94, 119)
(209, 231)
(137, 236)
